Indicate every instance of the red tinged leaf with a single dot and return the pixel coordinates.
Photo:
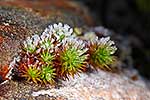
(3, 73)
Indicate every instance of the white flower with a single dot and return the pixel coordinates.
(31, 43)
(77, 44)
(36, 39)
(46, 34)
(109, 44)
(106, 42)
(46, 39)
(60, 31)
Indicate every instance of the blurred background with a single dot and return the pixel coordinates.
(131, 19)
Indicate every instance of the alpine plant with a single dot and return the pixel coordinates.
(58, 54)
(71, 58)
(101, 53)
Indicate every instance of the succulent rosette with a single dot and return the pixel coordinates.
(38, 54)
(71, 58)
(48, 74)
(101, 52)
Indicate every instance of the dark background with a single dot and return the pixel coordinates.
(128, 18)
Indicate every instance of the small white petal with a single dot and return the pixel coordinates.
(55, 25)
(66, 26)
(71, 31)
(60, 24)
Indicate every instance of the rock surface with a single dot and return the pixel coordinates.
(98, 85)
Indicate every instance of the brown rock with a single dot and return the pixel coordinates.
(98, 85)
(74, 13)
(15, 25)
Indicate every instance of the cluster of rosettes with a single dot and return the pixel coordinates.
(58, 54)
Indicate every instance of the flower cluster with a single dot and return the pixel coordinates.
(57, 53)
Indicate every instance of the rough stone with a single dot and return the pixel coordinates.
(97, 85)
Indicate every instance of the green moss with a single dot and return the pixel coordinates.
(58, 54)
(30, 49)
(33, 72)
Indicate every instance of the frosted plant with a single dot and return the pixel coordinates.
(71, 58)
(101, 52)
(76, 44)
